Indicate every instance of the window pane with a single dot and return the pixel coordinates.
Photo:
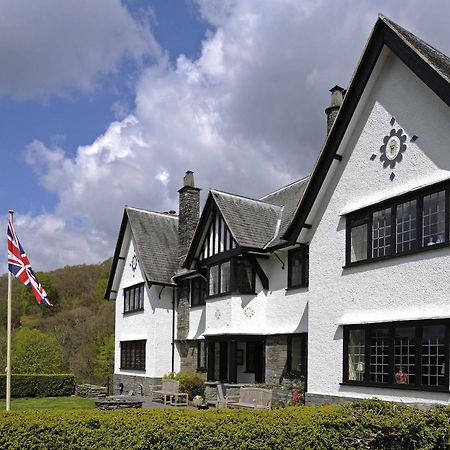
(356, 355)
(433, 355)
(298, 356)
(213, 280)
(381, 233)
(141, 297)
(433, 219)
(127, 300)
(201, 358)
(406, 226)
(244, 276)
(358, 245)
(379, 353)
(225, 277)
(404, 356)
(298, 268)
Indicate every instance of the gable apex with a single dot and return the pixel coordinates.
(428, 64)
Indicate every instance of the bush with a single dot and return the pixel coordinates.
(190, 383)
(39, 385)
(363, 425)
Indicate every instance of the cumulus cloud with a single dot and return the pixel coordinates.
(247, 115)
(52, 47)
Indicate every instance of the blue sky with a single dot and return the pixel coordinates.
(107, 103)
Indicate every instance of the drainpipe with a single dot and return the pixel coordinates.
(173, 329)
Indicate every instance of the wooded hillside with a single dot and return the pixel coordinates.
(76, 335)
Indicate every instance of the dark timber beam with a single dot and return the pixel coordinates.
(259, 270)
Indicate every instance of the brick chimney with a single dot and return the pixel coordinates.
(337, 97)
(189, 210)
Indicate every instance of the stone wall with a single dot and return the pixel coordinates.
(183, 308)
(276, 358)
(132, 384)
(90, 390)
(188, 355)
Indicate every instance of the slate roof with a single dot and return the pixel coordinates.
(252, 223)
(156, 238)
(289, 198)
(431, 55)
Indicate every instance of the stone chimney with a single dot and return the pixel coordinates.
(189, 211)
(337, 96)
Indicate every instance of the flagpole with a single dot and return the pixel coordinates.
(8, 334)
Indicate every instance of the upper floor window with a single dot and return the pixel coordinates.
(133, 297)
(298, 262)
(411, 223)
(234, 275)
(132, 355)
(410, 354)
(198, 291)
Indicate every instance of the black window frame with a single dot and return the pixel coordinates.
(304, 355)
(131, 291)
(202, 350)
(392, 326)
(202, 291)
(233, 282)
(304, 252)
(393, 203)
(129, 357)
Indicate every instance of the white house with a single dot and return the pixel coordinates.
(341, 277)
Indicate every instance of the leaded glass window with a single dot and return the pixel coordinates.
(405, 223)
(433, 219)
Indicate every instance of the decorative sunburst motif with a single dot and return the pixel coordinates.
(393, 148)
(249, 312)
(134, 263)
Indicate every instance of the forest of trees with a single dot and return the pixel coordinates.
(75, 336)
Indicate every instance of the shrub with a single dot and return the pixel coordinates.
(363, 425)
(190, 383)
(39, 385)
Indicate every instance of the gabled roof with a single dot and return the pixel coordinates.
(254, 224)
(428, 64)
(156, 244)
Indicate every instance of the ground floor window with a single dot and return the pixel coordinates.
(401, 354)
(296, 355)
(132, 355)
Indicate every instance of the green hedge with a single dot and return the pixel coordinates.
(363, 425)
(39, 385)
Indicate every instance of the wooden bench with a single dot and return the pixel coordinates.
(168, 392)
(250, 397)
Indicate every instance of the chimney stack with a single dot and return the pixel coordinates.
(189, 211)
(337, 97)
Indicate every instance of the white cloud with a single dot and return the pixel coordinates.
(52, 47)
(247, 116)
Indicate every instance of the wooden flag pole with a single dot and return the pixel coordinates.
(8, 334)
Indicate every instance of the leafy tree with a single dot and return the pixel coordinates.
(34, 351)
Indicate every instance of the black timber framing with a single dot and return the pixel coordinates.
(383, 34)
(259, 271)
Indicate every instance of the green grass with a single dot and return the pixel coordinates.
(59, 403)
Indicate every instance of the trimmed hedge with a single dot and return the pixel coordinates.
(39, 385)
(362, 425)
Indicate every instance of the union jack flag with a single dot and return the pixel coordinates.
(19, 266)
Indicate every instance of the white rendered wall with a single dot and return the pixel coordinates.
(276, 311)
(153, 324)
(400, 285)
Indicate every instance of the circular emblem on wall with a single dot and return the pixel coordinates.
(249, 312)
(394, 145)
(217, 314)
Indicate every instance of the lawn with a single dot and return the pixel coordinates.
(21, 404)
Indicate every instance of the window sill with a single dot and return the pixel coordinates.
(133, 369)
(397, 255)
(127, 313)
(293, 288)
(408, 387)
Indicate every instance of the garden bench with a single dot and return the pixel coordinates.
(168, 391)
(250, 397)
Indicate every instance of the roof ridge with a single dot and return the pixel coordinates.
(261, 202)
(284, 187)
(173, 216)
